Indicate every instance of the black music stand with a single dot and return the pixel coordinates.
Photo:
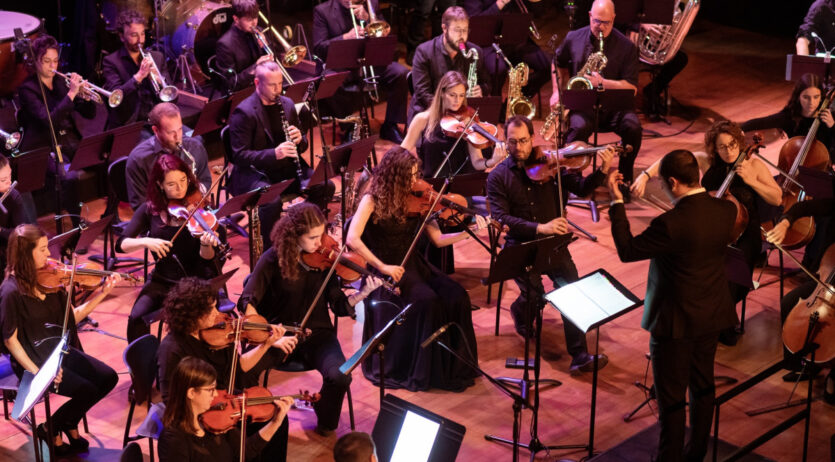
(644, 11)
(326, 86)
(377, 344)
(65, 244)
(797, 65)
(489, 108)
(30, 169)
(501, 29)
(531, 259)
(588, 303)
(99, 148)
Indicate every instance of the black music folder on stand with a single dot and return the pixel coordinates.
(355, 53)
(215, 113)
(324, 89)
(64, 245)
(465, 184)
(489, 108)
(588, 303)
(816, 183)
(645, 11)
(30, 169)
(106, 146)
(349, 156)
(797, 65)
(506, 28)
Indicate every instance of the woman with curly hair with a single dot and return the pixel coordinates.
(282, 287)
(170, 180)
(191, 305)
(381, 231)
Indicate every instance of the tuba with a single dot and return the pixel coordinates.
(517, 103)
(594, 63)
(657, 44)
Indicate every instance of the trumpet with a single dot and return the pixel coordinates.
(91, 92)
(292, 54)
(12, 139)
(165, 93)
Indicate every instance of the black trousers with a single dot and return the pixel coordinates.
(85, 380)
(530, 297)
(666, 73)
(679, 366)
(149, 300)
(529, 53)
(625, 124)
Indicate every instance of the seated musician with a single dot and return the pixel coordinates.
(184, 438)
(31, 319)
(237, 51)
(13, 211)
(819, 20)
(189, 307)
(355, 447)
(167, 125)
(436, 57)
(264, 152)
(527, 51)
(282, 287)
(171, 183)
(381, 232)
(331, 22)
(529, 209)
(621, 72)
(65, 100)
(127, 69)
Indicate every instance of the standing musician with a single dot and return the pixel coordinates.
(13, 211)
(171, 183)
(63, 104)
(527, 52)
(687, 298)
(31, 321)
(331, 22)
(621, 72)
(436, 57)
(191, 306)
(267, 145)
(531, 210)
(819, 19)
(381, 231)
(129, 70)
(167, 125)
(282, 287)
(237, 51)
(193, 387)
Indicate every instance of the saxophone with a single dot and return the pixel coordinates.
(472, 74)
(595, 63)
(350, 183)
(657, 44)
(517, 103)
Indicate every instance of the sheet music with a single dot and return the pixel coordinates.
(39, 382)
(589, 300)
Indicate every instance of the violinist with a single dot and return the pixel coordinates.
(13, 211)
(189, 307)
(532, 210)
(193, 387)
(381, 232)
(282, 287)
(31, 321)
(152, 226)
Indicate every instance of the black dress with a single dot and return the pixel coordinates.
(436, 300)
(432, 151)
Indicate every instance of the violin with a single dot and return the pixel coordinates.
(351, 266)
(202, 221)
(55, 276)
(723, 192)
(452, 207)
(821, 307)
(479, 134)
(254, 329)
(225, 411)
(575, 156)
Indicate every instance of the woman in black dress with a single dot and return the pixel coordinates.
(13, 212)
(31, 322)
(381, 231)
(171, 180)
(193, 387)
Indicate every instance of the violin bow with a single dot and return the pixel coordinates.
(455, 145)
(805, 270)
(321, 289)
(199, 203)
(68, 306)
(424, 223)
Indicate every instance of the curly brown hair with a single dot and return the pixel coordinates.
(296, 222)
(22, 243)
(128, 17)
(392, 183)
(187, 302)
(718, 128)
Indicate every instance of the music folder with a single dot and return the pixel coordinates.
(593, 300)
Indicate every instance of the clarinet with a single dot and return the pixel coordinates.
(286, 127)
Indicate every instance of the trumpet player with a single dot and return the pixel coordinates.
(127, 69)
(334, 20)
(620, 72)
(237, 51)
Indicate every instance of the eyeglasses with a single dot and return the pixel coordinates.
(460, 30)
(515, 142)
(725, 147)
(212, 389)
(598, 22)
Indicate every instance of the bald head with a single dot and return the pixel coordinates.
(603, 6)
(602, 17)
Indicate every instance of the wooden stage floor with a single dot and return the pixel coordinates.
(738, 78)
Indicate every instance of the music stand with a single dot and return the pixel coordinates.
(326, 86)
(215, 114)
(502, 29)
(797, 65)
(489, 108)
(30, 169)
(529, 260)
(816, 183)
(378, 343)
(644, 11)
(65, 244)
(588, 303)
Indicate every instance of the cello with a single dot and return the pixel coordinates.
(741, 221)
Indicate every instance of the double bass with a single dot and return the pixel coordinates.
(814, 316)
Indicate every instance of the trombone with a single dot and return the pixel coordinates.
(91, 92)
(265, 46)
(292, 54)
(374, 28)
(12, 139)
(165, 93)
(524, 10)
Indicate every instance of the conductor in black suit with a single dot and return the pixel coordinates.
(687, 300)
(261, 153)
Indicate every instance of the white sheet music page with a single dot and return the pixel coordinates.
(588, 300)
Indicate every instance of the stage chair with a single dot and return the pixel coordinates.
(119, 193)
(141, 358)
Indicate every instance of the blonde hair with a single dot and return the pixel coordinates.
(436, 110)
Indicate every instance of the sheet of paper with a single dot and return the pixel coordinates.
(589, 300)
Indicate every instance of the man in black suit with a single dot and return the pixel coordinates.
(687, 300)
(237, 51)
(332, 22)
(126, 70)
(261, 153)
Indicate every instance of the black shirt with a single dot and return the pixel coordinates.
(238, 51)
(33, 319)
(32, 115)
(431, 62)
(818, 208)
(174, 347)
(176, 445)
(821, 20)
(621, 54)
(791, 127)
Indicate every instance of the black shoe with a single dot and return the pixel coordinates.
(800, 376)
(390, 132)
(585, 363)
(322, 431)
(729, 336)
(61, 450)
(79, 444)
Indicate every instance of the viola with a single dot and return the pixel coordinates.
(741, 221)
(254, 329)
(198, 219)
(55, 276)
(226, 409)
(821, 305)
(479, 134)
(351, 266)
(574, 156)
